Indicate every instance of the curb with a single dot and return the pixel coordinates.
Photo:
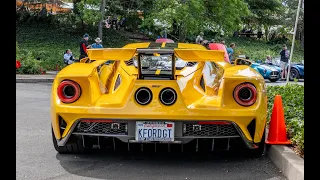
(22, 80)
(291, 165)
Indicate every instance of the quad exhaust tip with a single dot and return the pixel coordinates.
(168, 96)
(143, 96)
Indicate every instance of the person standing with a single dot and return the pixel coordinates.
(230, 51)
(224, 43)
(84, 46)
(199, 38)
(97, 44)
(108, 22)
(284, 53)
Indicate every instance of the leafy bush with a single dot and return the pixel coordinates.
(48, 43)
(293, 104)
(29, 65)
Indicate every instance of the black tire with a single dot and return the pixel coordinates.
(74, 146)
(273, 80)
(294, 74)
(260, 151)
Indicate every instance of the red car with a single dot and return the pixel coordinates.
(161, 40)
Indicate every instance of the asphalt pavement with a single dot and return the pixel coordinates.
(36, 158)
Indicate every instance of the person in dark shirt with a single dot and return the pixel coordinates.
(84, 45)
(284, 61)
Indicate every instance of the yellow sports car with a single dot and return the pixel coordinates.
(172, 94)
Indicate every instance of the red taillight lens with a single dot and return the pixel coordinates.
(245, 94)
(69, 91)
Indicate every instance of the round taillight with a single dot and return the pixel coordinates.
(69, 91)
(245, 94)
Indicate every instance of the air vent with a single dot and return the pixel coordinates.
(191, 64)
(117, 83)
(129, 63)
(251, 128)
(62, 124)
(214, 64)
(202, 84)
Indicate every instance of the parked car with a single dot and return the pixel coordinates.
(270, 72)
(161, 40)
(140, 99)
(296, 69)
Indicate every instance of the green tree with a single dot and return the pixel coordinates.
(264, 13)
(289, 18)
(193, 16)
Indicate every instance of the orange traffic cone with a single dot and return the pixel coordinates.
(277, 128)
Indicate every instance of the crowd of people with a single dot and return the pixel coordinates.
(230, 50)
(84, 45)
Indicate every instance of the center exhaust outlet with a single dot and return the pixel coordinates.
(143, 96)
(168, 96)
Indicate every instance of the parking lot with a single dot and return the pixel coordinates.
(36, 157)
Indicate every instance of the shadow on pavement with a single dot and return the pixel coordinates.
(154, 165)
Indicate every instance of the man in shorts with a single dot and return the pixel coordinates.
(284, 61)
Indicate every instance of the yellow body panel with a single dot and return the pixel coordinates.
(100, 99)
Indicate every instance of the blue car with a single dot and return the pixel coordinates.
(271, 72)
(296, 71)
(268, 71)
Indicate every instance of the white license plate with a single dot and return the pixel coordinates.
(154, 131)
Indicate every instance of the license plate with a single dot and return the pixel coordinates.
(154, 131)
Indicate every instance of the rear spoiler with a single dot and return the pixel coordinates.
(127, 53)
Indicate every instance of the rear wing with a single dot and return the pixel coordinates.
(128, 53)
(152, 70)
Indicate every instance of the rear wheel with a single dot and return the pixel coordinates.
(273, 80)
(294, 74)
(74, 145)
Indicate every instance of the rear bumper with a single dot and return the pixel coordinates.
(126, 133)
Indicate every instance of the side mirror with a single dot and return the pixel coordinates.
(241, 61)
(84, 60)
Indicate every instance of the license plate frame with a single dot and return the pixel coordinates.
(154, 131)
